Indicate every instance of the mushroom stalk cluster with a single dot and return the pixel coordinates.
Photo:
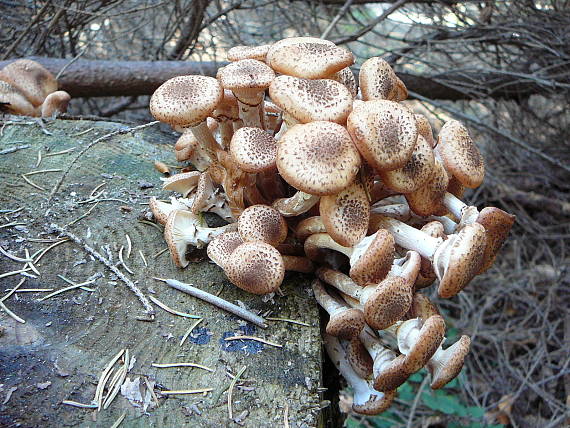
(314, 175)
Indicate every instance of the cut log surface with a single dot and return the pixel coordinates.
(68, 339)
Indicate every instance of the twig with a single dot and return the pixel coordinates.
(14, 272)
(129, 245)
(339, 15)
(14, 149)
(14, 223)
(257, 339)
(81, 405)
(192, 327)
(216, 301)
(288, 320)
(31, 183)
(170, 310)
(13, 290)
(119, 420)
(43, 253)
(13, 257)
(169, 365)
(415, 402)
(286, 416)
(12, 314)
(71, 287)
(187, 391)
(93, 143)
(132, 286)
(103, 379)
(42, 171)
(231, 390)
(123, 262)
(143, 258)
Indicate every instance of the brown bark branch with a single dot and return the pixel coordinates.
(98, 78)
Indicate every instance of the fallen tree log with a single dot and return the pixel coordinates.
(102, 78)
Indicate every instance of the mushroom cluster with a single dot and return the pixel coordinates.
(28, 89)
(349, 184)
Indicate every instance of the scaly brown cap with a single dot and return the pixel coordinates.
(377, 403)
(238, 53)
(449, 363)
(378, 81)
(460, 154)
(253, 150)
(359, 358)
(428, 199)
(55, 103)
(459, 259)
(346, 214)
(308, 59)
(31, 78)
(421, 348)
(392, 375)
(417, 171)
(185, 100)
(372, 258)
(424, 129)
(422, 307)
(222, 246)
(389, 302)
(346, 324)
(308, 226)
(256, 267)
(182, 183)
(346, 77)
(247, 74)
(262, 223)
(318, 158)
(384, 132)
(310, 100)
(497, 224)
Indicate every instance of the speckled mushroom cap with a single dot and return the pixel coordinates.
(422, 307)
(497, 224)
(318, 158)
(247, 75)
(378, 80)
(161, 210)
(460, 155)
(459, 259)
(55, 103)
(421, 348)
(238, 53)
(424, 129)
(415, 173)
(392, 375)
(204, 190)
(13, 101)
(31, 78)
(372, 258)
(310, 59)
(262, 223)
(253, 150)
(346, 214)
(384, 132)
(256, 267)
(428, 199)
(182, 183)
(359, 358)
(376, 404)
(308, 226)
(222, 246)
(185, 100)
(346, 77)
(449, 364)
(310, 100)
(227, 108)
(346, 324)
(389, 302)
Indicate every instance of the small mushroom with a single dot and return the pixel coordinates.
(379, 82)
(237, 53)
(55, 103)
(254, 150)
(295, 205)
(309, 226)
(188, 148)
(182, 183)
(206, 198)
(13, 101)
(262, 223)
(222, 246)
(428, 199)
(32, 79)
(446, 364)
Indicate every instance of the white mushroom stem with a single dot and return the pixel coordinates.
(381, 356)
(217, 301)
(409, 237)
(465, 213)
(407, 267)
(327, 302)
(206, 138)
(323, 240)
(299, 203)
(363, 392)
(398, 211)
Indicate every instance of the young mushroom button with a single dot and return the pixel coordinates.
(262, 223)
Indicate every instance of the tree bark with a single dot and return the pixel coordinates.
(99, 78)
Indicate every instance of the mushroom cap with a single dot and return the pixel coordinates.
(378, 80)
(460, 155)
(415, 173)
(372, 258)
(428, 199)
(227, 108)
(384, 132)
(424, 129)
(204, 191)
(310, 100)
(55, 103)
(376, 404)
(222, 246)
(160, 210)
(185, 100)
(253, 150)
(497, 224)
(246, 74)
(346, 214)
(422, 307)
(308, 226)
(434, 229)
(310, 59)
(256, 267)
(450, 364)
(346, 77)
(346, 324)
(430, 336)
(455, 187)
(459, 259)
(178, 226)
(389, 302)
(238, 53)
(13, 101)
(318, 158)
(262, 223)
(359, 358)
(31, 78)
(182, 183)
(392, 375)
